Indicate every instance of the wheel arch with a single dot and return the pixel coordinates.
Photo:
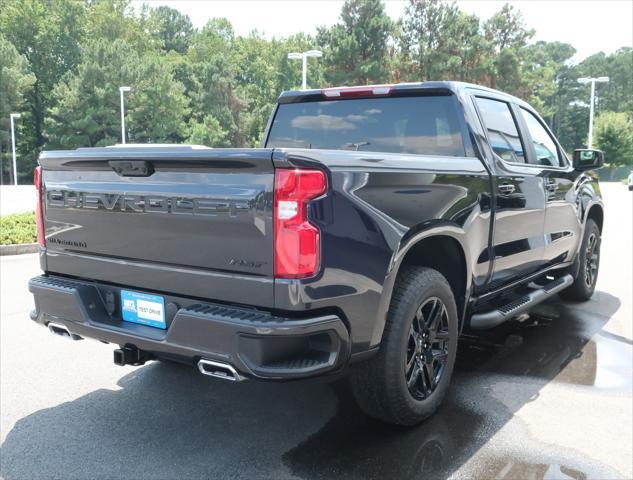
(444, 250)
(596, 213)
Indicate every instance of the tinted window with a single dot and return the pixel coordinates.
(502, 130)
(417, 125)
(544, 147)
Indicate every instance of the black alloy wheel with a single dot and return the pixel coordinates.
(586, 266)
(427, 348)
(592, 259)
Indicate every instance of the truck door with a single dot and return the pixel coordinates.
(562, 228)
(517, 243)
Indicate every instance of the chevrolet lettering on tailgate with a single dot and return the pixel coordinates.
(145, 203)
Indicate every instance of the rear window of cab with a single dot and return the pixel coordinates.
(423, 125)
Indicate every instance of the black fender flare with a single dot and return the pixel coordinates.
(408, 241)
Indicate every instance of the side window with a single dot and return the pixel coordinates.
(502, 130)
(544, 146)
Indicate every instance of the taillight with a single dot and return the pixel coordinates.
(39, 214)
(297, 241)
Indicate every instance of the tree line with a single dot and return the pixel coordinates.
(62, 63)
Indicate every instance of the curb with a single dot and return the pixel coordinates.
(19, 249)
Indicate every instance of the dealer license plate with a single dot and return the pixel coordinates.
(143, 308)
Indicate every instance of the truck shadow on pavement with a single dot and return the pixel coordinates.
(167, 421)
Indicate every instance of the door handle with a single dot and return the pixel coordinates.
(506, 188)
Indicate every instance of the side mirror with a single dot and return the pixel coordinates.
(585, 159)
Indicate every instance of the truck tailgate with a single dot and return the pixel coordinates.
(177, 219)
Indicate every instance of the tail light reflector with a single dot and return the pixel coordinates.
(39, 213)
(297, 241)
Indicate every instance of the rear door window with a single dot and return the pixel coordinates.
(425, 125)
(503, 132)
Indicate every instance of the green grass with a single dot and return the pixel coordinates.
(17, 228)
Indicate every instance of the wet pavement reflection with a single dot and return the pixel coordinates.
(557, 343)
(351, 445)
(168, 422)
(535, 471)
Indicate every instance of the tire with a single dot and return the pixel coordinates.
(380, 383)
(589, 262)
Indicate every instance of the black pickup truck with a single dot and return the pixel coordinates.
(374, 225)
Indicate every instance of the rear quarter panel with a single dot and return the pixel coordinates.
(379, 205)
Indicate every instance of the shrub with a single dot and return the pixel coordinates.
(17, 228)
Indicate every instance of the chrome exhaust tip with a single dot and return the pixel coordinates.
(62, 331)
(219, 370)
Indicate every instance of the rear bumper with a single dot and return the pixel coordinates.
(256, 343)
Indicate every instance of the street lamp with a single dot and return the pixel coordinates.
(304, 57)
(15, 165)
(122, 90)
(593, 81)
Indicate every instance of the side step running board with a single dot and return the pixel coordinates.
(480, 321)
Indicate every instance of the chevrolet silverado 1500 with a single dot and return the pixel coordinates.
(374, 225)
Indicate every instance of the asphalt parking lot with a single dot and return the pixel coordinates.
(548, 399)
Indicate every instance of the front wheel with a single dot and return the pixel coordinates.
(589, 262)
(406, 381)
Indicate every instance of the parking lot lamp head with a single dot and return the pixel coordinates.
(303, 56)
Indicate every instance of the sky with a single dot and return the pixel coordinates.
(590, 25)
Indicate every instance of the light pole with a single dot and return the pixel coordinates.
(593, 81)
(304, 57)
(15, 165)
(122, 90)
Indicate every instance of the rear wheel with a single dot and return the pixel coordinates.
(589, 262)
(406, 381)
